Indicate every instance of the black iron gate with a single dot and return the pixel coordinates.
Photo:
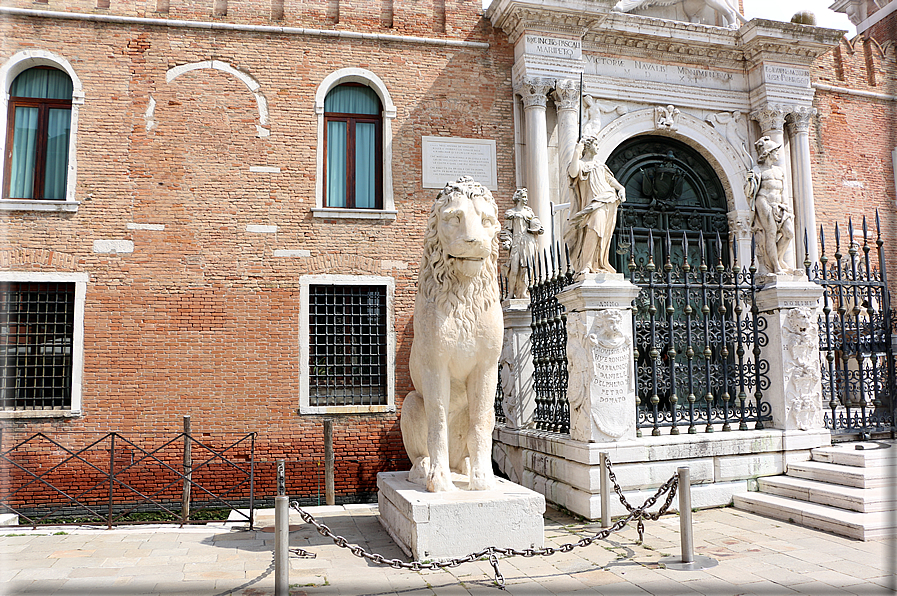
(855, 334)
(698, 337)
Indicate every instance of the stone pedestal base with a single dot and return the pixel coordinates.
(454, 524)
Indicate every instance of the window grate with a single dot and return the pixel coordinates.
(36, 330)
(347, 345)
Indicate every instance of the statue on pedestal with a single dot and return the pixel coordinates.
(447, 420)
(519, 238)
(596, 196)
(773, 217)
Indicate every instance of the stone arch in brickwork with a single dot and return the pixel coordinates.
(725, 159)
(368, 78)
(253, 85)
(21, 62)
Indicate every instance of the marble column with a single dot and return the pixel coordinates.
(804, 208)
(534, 94)
(516, 365)
(567, 98)
(600, 364)
(772, 124)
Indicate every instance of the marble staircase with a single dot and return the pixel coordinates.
(847, 489)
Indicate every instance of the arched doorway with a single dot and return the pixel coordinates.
(670, 187)
(693, 366)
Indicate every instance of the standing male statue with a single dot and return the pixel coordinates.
(773, 216)
(596, 196)
(519, 238)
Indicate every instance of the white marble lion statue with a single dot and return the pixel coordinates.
(447, 420)
(728, 9)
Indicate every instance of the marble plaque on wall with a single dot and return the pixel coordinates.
(786, 75)
(445, 159)
(554, 47)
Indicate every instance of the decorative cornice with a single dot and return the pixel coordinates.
(566, 94)
(799, 119)
(534, 92)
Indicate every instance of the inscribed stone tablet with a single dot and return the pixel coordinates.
(445, 159)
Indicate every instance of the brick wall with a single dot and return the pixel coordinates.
(202, 319)
(854, 137)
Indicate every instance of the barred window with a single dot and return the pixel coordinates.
(37, 321)
(347, 345)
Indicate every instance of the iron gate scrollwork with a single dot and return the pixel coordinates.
(549, 340)
(855, 334)
(698, 338)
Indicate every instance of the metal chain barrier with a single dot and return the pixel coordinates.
(635, 513)
(639, 514)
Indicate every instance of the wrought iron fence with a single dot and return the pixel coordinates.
(551, 274)
(105, 478)
(698, 338)
(855, 334)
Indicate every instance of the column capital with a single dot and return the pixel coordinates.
(566, 94)
(799, 119)
(740, 224)
(534, 92)
(771, 117)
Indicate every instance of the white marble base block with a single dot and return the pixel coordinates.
(446, 525)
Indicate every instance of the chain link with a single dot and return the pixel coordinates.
(639, 514)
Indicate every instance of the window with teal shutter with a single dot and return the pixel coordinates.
(37, 152)
(353, 142)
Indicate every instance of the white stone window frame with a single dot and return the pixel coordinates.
(13, 67)
(369, 79)
(80, 280)
(347, 280)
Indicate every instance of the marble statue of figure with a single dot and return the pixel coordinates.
(519, 238)
(727, 9)
(447, 420)
(596, 196)
(773, 217)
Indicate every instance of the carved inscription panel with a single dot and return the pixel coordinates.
(447, 158)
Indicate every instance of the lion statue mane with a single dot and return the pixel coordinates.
(447, 420)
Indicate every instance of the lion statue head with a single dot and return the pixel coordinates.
(458, 270)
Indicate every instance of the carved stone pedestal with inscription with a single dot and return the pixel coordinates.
(601, 387)
(790, 306)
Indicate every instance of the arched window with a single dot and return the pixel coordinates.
(353, 141)
(37, 141)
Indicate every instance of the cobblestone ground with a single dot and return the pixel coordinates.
(755, 555)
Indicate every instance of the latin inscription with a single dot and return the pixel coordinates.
(612, 374)
(663, 73)
(445, 159)
(786, 75)
(556, 47)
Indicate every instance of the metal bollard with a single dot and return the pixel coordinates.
(604, 487)
(688, 561)
(329, 492)
(281, 546)
(686, 537)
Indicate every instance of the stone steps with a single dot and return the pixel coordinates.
(843, 489)
(852, 524)
(845, 497)
(838, 474)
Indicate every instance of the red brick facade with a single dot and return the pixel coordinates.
(202, 319)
